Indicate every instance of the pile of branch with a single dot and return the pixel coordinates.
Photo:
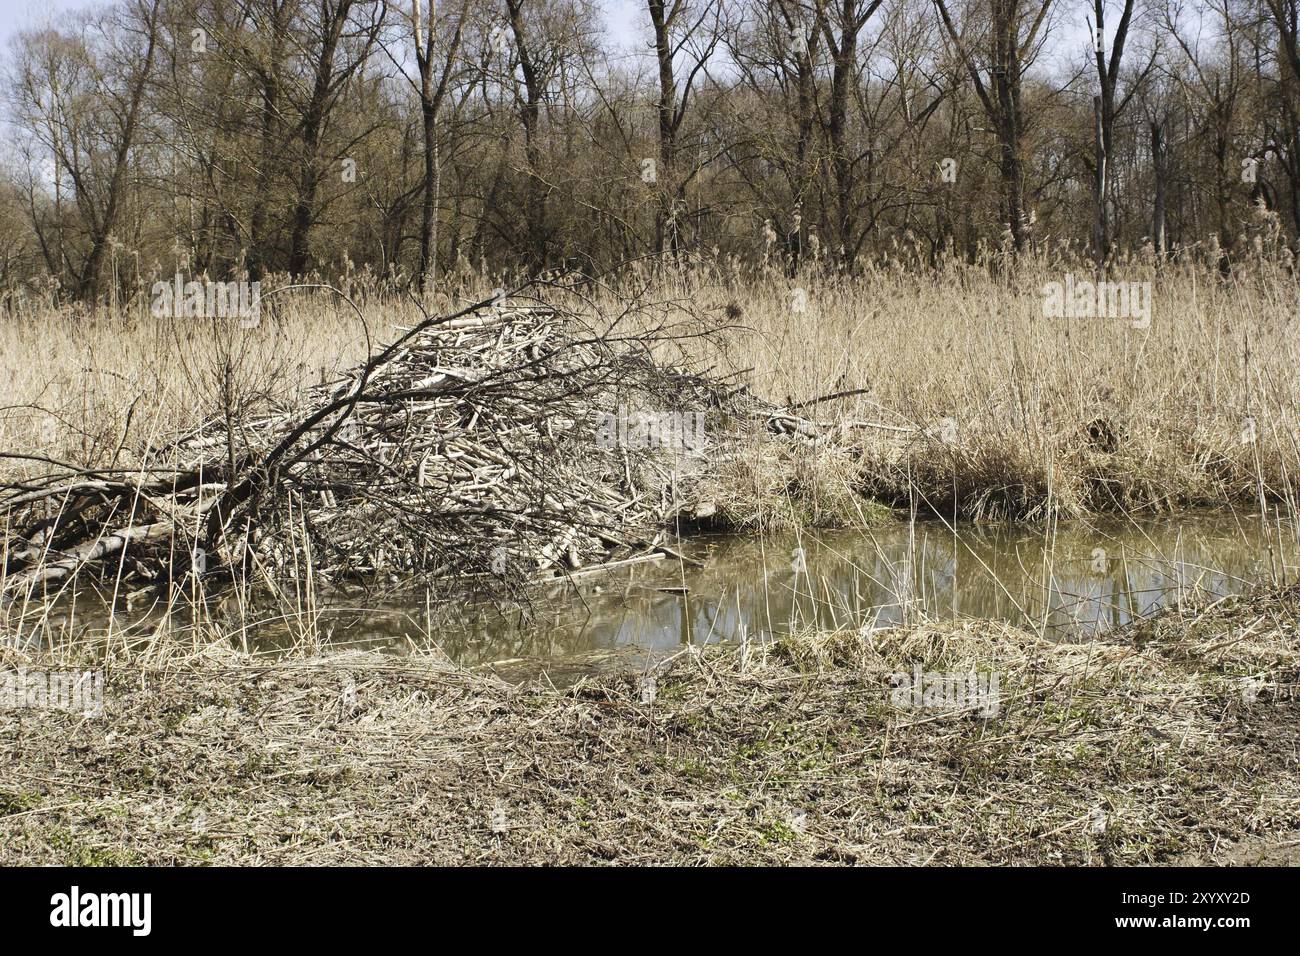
(466, 446)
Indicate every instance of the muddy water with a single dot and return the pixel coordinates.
(1079, 580)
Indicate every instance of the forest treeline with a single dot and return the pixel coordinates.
(238, 138)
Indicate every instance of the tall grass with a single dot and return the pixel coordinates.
(966, 399)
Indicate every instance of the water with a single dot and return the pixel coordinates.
(1084, 579)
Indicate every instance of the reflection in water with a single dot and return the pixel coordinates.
(1071, 583)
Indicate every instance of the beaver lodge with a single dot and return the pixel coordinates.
(503, 441)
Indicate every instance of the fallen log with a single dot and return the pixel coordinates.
(68, 564)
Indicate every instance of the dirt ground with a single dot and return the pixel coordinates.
(1274, 849)
(1175, 741)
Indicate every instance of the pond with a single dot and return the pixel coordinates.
(1069, 583)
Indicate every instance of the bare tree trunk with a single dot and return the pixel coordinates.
(327, 81)
(804, 54)
(1003, 105)
(310, 131)
(102, 225)
(1160, 168)
(1100, 185)
(1105, 111)
(1286, 18)
(529, 116)
(843, 45)
(1006, 87)
(431, 97)
(268, 75)
(666, 175)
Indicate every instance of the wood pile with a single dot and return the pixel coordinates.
(469, 445)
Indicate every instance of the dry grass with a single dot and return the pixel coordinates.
(1001, 412)
(1135, 750)
(1022, 413)
(765, 486)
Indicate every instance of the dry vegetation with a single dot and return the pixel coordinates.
(854, 281)
(1138, 749)
(960, 397)
(965, 399)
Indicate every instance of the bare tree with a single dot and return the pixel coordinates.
(1106, 109)
(431, 97)
(272, 20)
(1286, 21)
(840, 27)
(1013, 40)
(679, 27)
(86, 104)
(331, 67)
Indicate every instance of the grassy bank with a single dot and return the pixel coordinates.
(1175, 737)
